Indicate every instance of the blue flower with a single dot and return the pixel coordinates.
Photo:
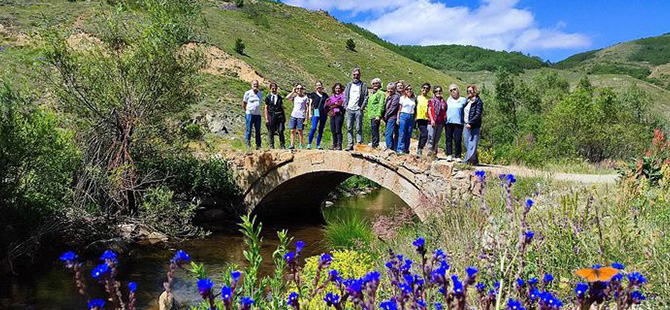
(298, 246)
(68, 256)
(405, 289)
(235, 275)
(389, 305)
(333, 275)
(293, 300)
(596, 266)
(637, 297)
(510, 179)
(619, 266)
(618, 277)
(226, 292)
(100, 271)
(480, 173)
(96, 304)
(520, 282)
(534, 294)
(289, 257)
(458, 285)
(205, 286)
(108, 255)
(439, 255)
(533, 281)
(331, 299)
(419, 242)
(472, 271)
(355, 286)
(181, 257)
(132, 286)
(325, 259)
(407, 266)
(581, 289)
(371, 277)
(529, 203)
(636, 278)
(548, 277)
(438, 306)
(481, 287)
(529, 234)
(514, 305)
(247, 301)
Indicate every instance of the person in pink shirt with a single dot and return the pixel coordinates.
(437, 114)
(335, 109)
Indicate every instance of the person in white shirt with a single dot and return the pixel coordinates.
(297, 121)
(251, 102)
(405, 119)
(355, 101)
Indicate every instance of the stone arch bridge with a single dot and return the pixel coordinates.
(278, 181)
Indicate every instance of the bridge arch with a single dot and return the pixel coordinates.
(298, 181)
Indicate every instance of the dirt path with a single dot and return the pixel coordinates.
(560, 176)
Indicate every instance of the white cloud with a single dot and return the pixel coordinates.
(495, 24)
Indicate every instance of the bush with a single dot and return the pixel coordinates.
(193, 132)
(351, 45)
(239, 46)
(160, 212)
(239, 3)
(38, 161)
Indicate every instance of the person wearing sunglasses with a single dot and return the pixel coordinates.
(472, 116)
(437, 115)
(454, 123)
(376, 110)
(317, 105)
(422, 116)
(297, 121)
(405, 119)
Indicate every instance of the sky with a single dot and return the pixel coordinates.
(551, 29)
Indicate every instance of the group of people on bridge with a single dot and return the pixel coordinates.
(398, 107)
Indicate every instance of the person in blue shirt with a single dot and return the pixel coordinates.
(454, 123)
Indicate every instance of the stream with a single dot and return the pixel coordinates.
(51, 286)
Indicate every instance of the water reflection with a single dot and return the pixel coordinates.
(53, 287)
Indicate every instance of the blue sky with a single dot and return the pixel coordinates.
(552, 30)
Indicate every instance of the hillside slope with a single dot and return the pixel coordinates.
(647, 59)
(283, 43)
(458, 57)
(618, 82)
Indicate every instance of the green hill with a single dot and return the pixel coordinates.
(647, 59)
(283, 43)
(458, 57)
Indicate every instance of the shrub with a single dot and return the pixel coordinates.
(351, 45)
(239, 46)
(193, 131)
(239, 3)
(160, 212)
(38, 161)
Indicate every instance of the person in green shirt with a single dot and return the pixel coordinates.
(422, 116)
(376, 105)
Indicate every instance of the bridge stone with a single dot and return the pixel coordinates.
(280, 181)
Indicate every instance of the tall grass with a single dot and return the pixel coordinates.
(347, 228)
(575, 227)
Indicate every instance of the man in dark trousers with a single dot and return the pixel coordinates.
(275, 116)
